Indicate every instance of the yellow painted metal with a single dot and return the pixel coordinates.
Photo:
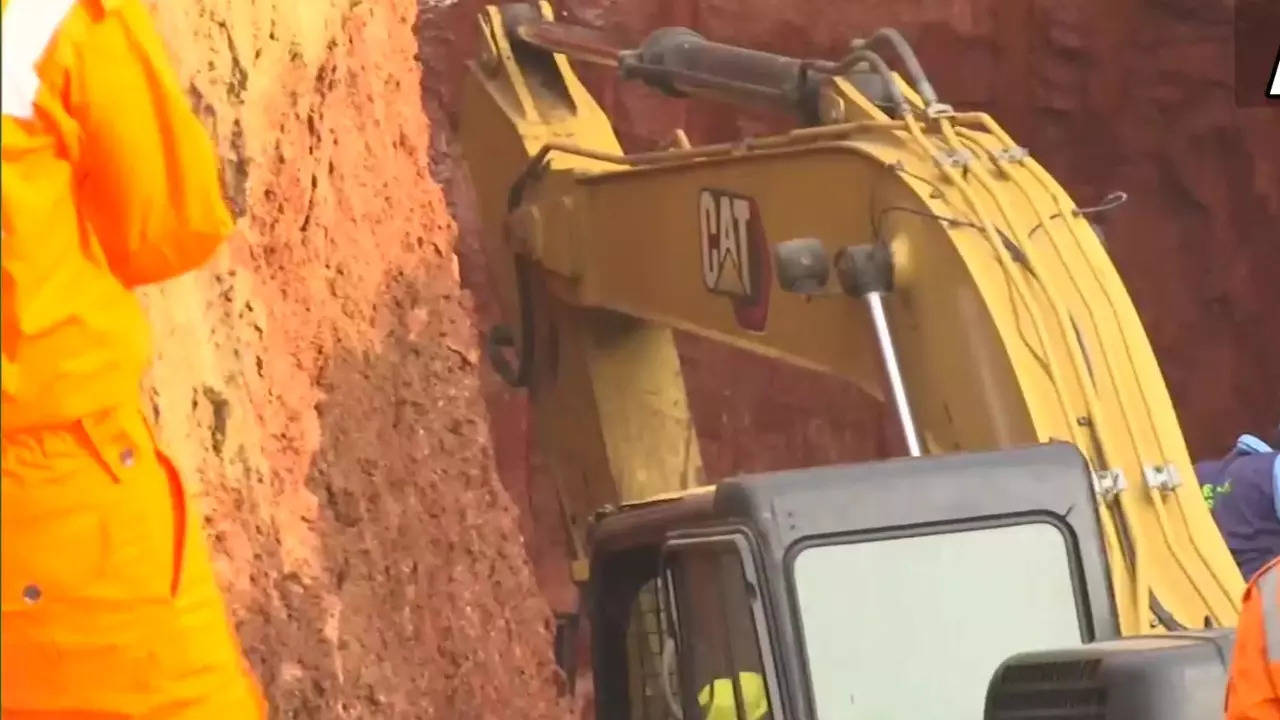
(668, 497)
(607, 391)
(1013, 325)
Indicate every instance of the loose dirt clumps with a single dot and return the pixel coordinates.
(319, 383)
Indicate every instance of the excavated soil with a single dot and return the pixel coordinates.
(381, 530)
(320, 381)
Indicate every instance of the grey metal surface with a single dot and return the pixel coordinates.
(782, 513)
(1179, 676)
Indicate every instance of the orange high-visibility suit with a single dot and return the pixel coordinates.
(110, 608)
(1253, 687)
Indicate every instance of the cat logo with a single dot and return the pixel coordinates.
(735, 259)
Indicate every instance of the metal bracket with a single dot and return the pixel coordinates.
(831, 108)
(1161, 477)
(939, 110)
(1108, 483)
(954, 158)
(1012, 154)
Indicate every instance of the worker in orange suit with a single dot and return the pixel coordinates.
(1253, 687)
(110, 607)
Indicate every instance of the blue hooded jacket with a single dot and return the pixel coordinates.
(1243, 493)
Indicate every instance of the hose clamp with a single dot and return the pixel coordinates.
(1161, 477)
(1108, 483)
(1012, 154)
(953, 158)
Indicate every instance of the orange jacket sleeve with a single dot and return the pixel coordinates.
(149, 180)
(1251, 690)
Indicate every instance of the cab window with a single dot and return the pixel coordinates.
(713, 642)
(949, 606)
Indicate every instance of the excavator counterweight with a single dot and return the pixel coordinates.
(889, 239)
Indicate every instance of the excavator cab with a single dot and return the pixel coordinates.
(909, 588)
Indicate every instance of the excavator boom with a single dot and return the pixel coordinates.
(889, 239)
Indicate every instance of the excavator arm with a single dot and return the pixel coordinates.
(917, 251)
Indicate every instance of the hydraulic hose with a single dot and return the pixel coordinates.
(1090, 395)
(1140, 608)
(914, 69)
(878, 65)
(1155, 496)
(1074, 352)
(1090, 260)
(1006, 261)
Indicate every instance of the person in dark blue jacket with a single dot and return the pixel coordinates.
(1243, 493)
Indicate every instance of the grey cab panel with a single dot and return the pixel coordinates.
(1178, 676)
(921, 496)
(990, 553)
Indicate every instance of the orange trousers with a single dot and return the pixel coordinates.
(110, 607)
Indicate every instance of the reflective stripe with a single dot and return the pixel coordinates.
(25, 32)
(1269, 597)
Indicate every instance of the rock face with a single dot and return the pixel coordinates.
(321, 379)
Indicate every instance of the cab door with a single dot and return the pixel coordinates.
(716, 651)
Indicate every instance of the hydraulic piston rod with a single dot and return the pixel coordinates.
(682, 63)
(888, 353)
(866, 271)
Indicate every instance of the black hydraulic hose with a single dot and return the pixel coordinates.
(877, 64)
(914, 69)
(501, 336)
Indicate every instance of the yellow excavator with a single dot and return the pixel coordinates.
(1043, 551)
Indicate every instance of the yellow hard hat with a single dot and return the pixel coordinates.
(718, 703)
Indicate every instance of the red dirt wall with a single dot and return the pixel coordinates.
(318, 382)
